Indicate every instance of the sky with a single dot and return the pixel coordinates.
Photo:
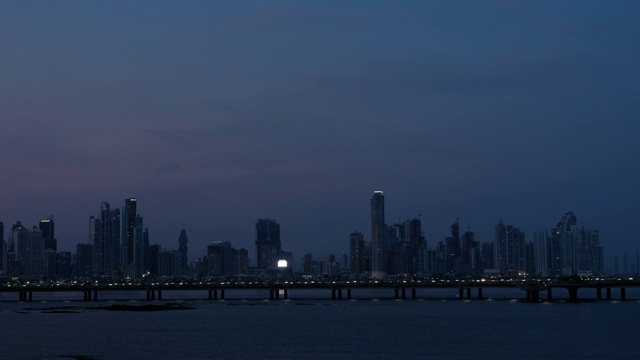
(215, 114)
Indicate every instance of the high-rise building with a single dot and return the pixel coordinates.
(268, 245)
(575, 249)
(541, 252)
(377, 235)
(140, 249)
(63, 265)
(307, 264)
(501, 257)
(517, 255)
(105, 238)
(3, 251)
(219, 258)
(240, 261)
(84, 261)
(48, 234)
(129, 215)
(357, 252)
(183, 252)
(413, 231)
(154, 257)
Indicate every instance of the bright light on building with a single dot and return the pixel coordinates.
(282, 263)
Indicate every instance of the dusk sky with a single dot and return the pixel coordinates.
(215, 114)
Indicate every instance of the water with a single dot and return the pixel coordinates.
(312, 327)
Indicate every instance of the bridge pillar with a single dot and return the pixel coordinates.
(461, 294)
(271, 296)
(528, 294)
(397, 293)
(623, 294)
(30, 295)
(153, 294)
(468, 293)
(222, 294)
(599, 293)
(608, 293)
(286, 294)
(159, 294)
(404, 293)
(148, 295)
(333, 294)
(210, 293)
(340, 294)
(349, 294)
(277, 294)
(535, 295)
(215, 294)
(413, 293)
(573, 293)
(549, 294)
(95, 295)
(479, 293)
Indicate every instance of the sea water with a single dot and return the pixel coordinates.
(314, 327)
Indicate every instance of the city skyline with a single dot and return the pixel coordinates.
(214, 115)
(394, 248)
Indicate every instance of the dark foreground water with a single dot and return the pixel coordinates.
(316, 328)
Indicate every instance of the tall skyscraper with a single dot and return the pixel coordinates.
(129, 216)
(3, 251)
(501, 257)
(84, 261)
(219, 258)
(48, 234)
(268, 245)
(105, 239)
(357, 252)
(183, 250)
(377, 235)
(140, 248)
(541, 252)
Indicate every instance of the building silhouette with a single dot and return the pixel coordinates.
(378, 250)
(129, 215)
(105, 238)
(268, 246)
(183, 250)
(357, 252)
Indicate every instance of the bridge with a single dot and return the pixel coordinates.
(336, 290)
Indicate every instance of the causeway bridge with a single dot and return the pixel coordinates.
(533, 290)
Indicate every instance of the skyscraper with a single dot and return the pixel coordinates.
(358, 253)
(268, 245)
(541, 252)
(501, 257)
(140, 248)
(129, 215)
(3, 251)
(377, 235)
(48, 234)
(183, 250)
(105, 239)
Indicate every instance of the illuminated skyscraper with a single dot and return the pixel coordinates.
(268, 245)
(377, 235)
